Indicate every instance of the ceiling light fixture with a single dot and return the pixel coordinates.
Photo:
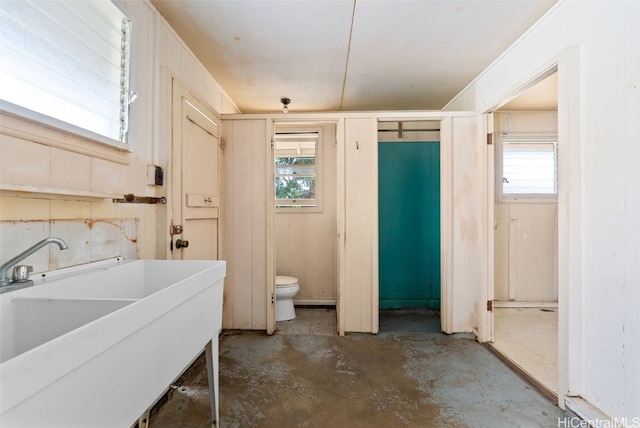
(285, 104)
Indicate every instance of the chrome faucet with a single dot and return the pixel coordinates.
(4, 269)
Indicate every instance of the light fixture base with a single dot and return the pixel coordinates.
(285, 104)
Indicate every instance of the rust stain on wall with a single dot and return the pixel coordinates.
(117, 223)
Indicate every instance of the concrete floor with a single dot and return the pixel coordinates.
(396, 378)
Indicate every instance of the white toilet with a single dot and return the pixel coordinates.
(286, 288)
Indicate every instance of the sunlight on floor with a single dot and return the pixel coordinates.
(529, 338)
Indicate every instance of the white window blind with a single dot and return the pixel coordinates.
(529, 168)
(67, 61)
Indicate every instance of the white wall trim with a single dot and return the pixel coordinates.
(271, 231)
(570, 219)
(314, 302)
(504, 54)
(446, 225)
(591, 415)
(515, 304)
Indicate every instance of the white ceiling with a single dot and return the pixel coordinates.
(541, 97)
(348, 55)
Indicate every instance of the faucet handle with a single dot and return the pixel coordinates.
(21, 273)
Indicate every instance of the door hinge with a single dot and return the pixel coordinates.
(273, 298)
(489, 139)
(490, 305)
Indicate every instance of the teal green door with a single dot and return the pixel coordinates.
(409, 224)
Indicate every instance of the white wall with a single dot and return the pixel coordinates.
(603, 272)
(58, 184)
(463, 164)
(360, 288)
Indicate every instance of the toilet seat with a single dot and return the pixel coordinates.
(285, 281)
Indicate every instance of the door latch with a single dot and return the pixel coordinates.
(175, 229)
(181, 243)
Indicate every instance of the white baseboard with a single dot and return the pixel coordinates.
(591, 415)
(312, 302)
(511, 304)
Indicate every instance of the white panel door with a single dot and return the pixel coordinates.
(196, 179)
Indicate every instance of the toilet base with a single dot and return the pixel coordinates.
(285, 310)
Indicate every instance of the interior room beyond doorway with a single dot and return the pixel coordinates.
(526, 235)
(305, 204)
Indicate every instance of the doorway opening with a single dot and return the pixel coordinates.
(305, 202)
(409, 225)
(525, 286)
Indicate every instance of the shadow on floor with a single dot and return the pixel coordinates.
(410, 320)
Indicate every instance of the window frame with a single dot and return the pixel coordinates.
(294, 205)
(78, 133)
(542, 138)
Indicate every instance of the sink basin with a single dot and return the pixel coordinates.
(100, 343)
(36, 321)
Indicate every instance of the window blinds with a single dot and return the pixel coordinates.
(529, 168)
(68, 61)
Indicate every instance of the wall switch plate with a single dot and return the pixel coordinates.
(155, 175)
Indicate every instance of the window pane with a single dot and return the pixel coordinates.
(295, 188)
(290, 170)
(295, 169)
(295, 161)
(67, 61)
(529, 168)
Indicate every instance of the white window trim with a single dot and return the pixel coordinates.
(87, 141)
(289, 206)
(56, 124)
(522, 198)
(37, 132)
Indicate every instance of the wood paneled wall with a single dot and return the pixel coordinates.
(463, 169)
(245, 211)
(361, 221)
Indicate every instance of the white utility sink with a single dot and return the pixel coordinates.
(97, 345)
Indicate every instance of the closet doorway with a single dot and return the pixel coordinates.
(409, 225)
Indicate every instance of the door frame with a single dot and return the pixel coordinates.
(271, 211)
(570, 252)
